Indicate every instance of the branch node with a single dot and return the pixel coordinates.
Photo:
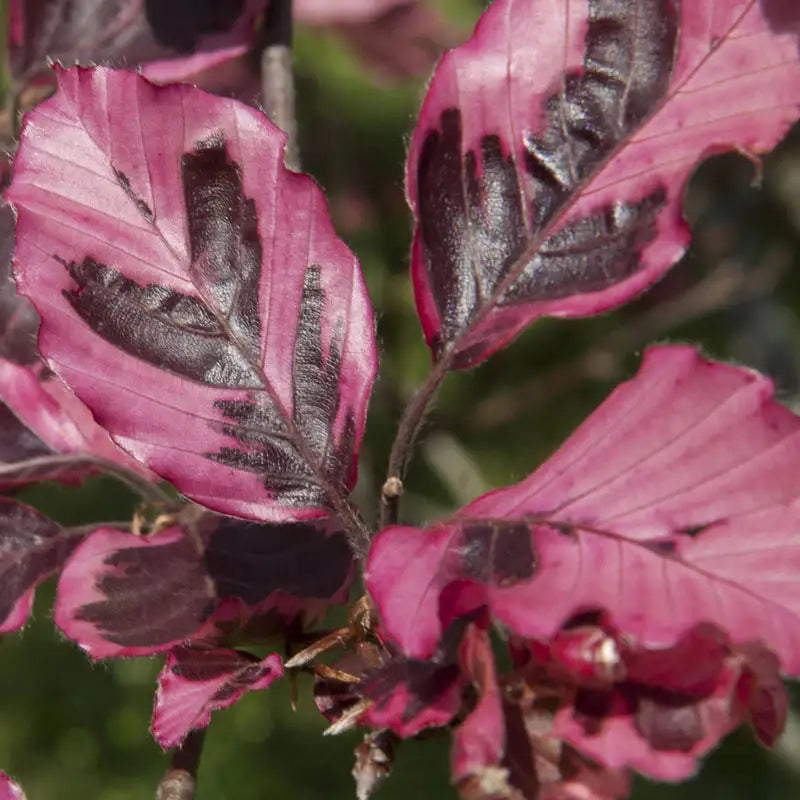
(177, 784)
(392, 489)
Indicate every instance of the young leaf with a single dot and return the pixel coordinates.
(193, 293)
(547, 167)
(661, 732)
(196, 682)
(125, 595)
(410, 695)
(674, 504)
(505, 746)
(32, 548)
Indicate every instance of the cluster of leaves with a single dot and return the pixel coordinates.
(199, 322)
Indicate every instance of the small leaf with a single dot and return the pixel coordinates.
(196, 682)
(32, 548)
(125, 595)
(547, 168)
(409, 695)
(675, 504)
(662, 733)
(193, 292)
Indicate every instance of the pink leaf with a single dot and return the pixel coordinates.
(193, 293)
(32, 548)
(675, 504)
(9, 790)
(405, 694)
(40, 416)
(215, 575)
(196, 682)
(662, 732)
(547, 168)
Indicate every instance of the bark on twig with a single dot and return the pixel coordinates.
(277, 76)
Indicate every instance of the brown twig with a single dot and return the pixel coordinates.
(277, 76)
(180, 780)
(406, 437)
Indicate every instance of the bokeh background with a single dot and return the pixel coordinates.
(72, 729)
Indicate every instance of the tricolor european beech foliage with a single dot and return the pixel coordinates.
(200, 322)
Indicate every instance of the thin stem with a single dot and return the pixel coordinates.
(277, 76)
(180, 780)
(407, 432)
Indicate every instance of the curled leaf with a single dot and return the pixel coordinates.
(32, 548)
(195, 682)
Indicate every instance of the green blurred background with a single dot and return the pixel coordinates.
(72, 729)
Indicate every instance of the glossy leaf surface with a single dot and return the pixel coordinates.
(32, 548)
(125, 595)
(674, 504)
(195, 682)
(193, 293)
(547, 168)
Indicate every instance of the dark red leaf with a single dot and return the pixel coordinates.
(674, 505)
(214, 579)
(32, 548)
(193, 292)
(196, 682)
(547, 168)
(184, 37)
(412, 694)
